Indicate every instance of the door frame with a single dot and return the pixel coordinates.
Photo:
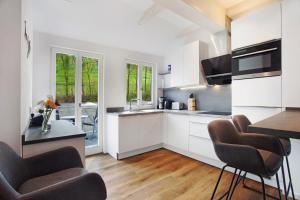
(78, 88)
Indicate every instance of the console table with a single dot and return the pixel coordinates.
(61, 134)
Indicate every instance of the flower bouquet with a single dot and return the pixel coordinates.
(45, 108)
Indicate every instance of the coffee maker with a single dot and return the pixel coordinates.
(161, 102)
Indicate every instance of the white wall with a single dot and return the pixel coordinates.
(26, 64)
(10, 45)
(114, 66)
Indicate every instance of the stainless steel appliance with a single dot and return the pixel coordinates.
(177, 106)
(161, 102)
(217, 70)
(168, 104)
(260, 60)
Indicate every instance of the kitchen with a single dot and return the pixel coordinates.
(159, 99)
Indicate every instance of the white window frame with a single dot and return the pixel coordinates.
(140, 103)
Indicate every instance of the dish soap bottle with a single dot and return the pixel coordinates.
(192, 103)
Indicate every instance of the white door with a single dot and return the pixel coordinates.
(78, 88)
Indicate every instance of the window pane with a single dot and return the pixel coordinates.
(146, 83)
(65, 78)
(132, 76)
(89, 80)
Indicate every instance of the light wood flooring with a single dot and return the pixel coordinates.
(163, 175)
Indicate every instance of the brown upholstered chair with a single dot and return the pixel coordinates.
(241, 122)
(237, 151)
(56, 175)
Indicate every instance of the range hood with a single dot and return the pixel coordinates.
(217, 70)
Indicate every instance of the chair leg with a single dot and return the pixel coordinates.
(236, 184)
(290, 177)
(263, 186)
(254, 190)
(284, 182)
(219, 179)
(278, 187)
(231, 184)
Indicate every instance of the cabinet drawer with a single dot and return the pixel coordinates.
(200, 119)
(202, 147)
(199, 130)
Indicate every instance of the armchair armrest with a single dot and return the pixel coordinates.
(242, 157)
(264, 142)
(88, 187)
(53, 161)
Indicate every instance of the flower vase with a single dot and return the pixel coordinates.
(46, 117)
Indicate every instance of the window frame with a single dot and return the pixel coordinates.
(140, 103)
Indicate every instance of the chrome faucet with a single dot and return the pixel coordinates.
(130, 102)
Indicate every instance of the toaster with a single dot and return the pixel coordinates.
(177, 106)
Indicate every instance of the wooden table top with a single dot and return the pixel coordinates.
(285, 124)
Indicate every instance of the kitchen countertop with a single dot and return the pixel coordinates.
(180, 112)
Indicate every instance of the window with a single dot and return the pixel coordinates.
(139, 79)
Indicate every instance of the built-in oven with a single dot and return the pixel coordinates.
(260, 60)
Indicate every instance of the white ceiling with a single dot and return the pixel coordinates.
(229, 3)
(109, 22)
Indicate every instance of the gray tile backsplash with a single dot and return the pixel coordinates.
(212, 98)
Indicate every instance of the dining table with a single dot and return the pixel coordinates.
(285, 124)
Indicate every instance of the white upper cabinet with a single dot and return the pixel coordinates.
(258, 26)
(193, 53)
(185, 62)
(291, 53)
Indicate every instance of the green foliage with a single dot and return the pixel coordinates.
(132, 82)
(65, 79)
(132, 75)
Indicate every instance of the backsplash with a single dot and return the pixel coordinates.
(212, 98)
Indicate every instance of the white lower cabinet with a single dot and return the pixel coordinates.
(178, 131)
(202, 146)
(131, 135)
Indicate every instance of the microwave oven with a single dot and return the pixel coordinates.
(260, 60)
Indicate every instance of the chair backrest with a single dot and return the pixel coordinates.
(223, 131)
(12, 167)
(241, 122)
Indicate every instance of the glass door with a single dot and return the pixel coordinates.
(89, 101)
(78, 88)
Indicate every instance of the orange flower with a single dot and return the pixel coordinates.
(50, 104)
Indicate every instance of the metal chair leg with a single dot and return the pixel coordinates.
(278, 186)
(235, 184)
(233, 178)
(290, 177)
(263, 186)
(284, 183)
(219, 179)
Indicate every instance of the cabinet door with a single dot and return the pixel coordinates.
(259, 26)
(129, 134)
(175, 59)
(257, 92)
(290, 53)
(177, 126)
(151, 129)
(191, 64)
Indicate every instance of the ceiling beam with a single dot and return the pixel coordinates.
(151, 12)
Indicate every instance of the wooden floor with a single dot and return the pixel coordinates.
(164, 175)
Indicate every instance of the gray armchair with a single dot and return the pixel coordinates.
(55, 175)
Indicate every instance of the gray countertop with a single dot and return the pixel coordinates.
(59, 130)
(153, 111)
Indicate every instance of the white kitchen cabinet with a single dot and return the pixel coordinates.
(129, 134)
(290, 53)
(151, 129)
(257, 92)
(178, 131)
(132, 135)
(175, 59)
(185, 63)
(193, 53)
(256, 27)
(202, 146)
